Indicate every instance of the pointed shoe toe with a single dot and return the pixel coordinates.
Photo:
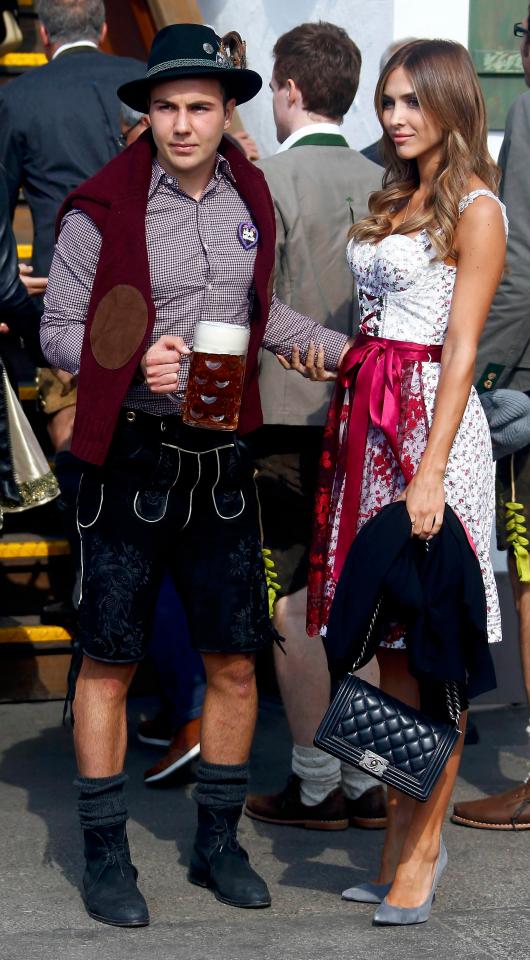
(367, 892)
(387, 915)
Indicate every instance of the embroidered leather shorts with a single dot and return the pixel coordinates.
(177, 498)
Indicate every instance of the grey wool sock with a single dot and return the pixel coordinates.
(101, 801)
(221, 785)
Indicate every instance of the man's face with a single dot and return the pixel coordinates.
(525, 53)
(188, 119)
(280, 110)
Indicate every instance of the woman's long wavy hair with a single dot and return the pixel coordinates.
(445, 83)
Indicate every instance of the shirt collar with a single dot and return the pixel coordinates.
(222, 168)
(70, 46)
(305, 131)
(221, 172)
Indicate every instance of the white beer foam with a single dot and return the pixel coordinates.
(213, 337)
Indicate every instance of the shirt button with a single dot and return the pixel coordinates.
(169, 180)
(209, 286)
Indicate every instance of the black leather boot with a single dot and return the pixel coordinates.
(219, 863)
(109, 882)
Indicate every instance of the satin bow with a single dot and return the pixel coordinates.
(374, 366)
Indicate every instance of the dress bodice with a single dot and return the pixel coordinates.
(404, 292)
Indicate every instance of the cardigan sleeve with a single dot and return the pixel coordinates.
(69, 288)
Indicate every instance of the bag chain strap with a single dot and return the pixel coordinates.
(368, 637)
(452, 696)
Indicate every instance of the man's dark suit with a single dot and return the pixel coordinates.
(59, 125)
(503, 358)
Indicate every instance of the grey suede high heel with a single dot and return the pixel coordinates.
(367, 892)
(387, 916)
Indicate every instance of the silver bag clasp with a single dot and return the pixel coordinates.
(373, 763)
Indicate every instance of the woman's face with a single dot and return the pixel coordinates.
(414, 134)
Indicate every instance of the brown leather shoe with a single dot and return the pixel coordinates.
(287, 809)
(156, 732)
(184, 746)
(368, 810)
(505, 811)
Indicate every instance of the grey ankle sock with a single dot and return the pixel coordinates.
(221, 785)
(318, 771)
(101, 801)
(355, 782)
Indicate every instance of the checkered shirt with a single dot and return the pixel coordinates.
(199, 270)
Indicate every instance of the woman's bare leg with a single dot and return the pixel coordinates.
(421, 846)
(413, 836)
(397, 681)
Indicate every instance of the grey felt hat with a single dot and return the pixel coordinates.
(508, 416)
(190, 50)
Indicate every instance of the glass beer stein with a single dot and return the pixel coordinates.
(215, 382)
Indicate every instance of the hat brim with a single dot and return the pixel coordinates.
(242, 85)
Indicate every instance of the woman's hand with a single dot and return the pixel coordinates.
(425, 500)
(313, 368)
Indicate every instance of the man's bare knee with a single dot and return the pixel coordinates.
(109, 681)
(231, 674)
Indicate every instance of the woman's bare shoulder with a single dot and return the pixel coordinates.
(480, 208)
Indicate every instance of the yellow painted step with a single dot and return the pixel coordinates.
(14, 549)
(24, 251)
(34, 634)
(23, 60)
(27, 391)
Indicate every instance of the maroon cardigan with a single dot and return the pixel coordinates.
(121, 312)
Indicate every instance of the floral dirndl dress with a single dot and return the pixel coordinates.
(405, 298)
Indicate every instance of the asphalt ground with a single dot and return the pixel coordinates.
(482, 908)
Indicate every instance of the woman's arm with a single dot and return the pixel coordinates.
(480, 245)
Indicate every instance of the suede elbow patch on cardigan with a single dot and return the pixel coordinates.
(119, 326)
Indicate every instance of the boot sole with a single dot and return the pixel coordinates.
(115, 923)
(173, 767)
(369, 823)
(480, 825)
(231, 903)
(307, 824)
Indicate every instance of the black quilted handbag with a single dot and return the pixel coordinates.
(395, 743)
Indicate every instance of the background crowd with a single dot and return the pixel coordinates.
(48, 152)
